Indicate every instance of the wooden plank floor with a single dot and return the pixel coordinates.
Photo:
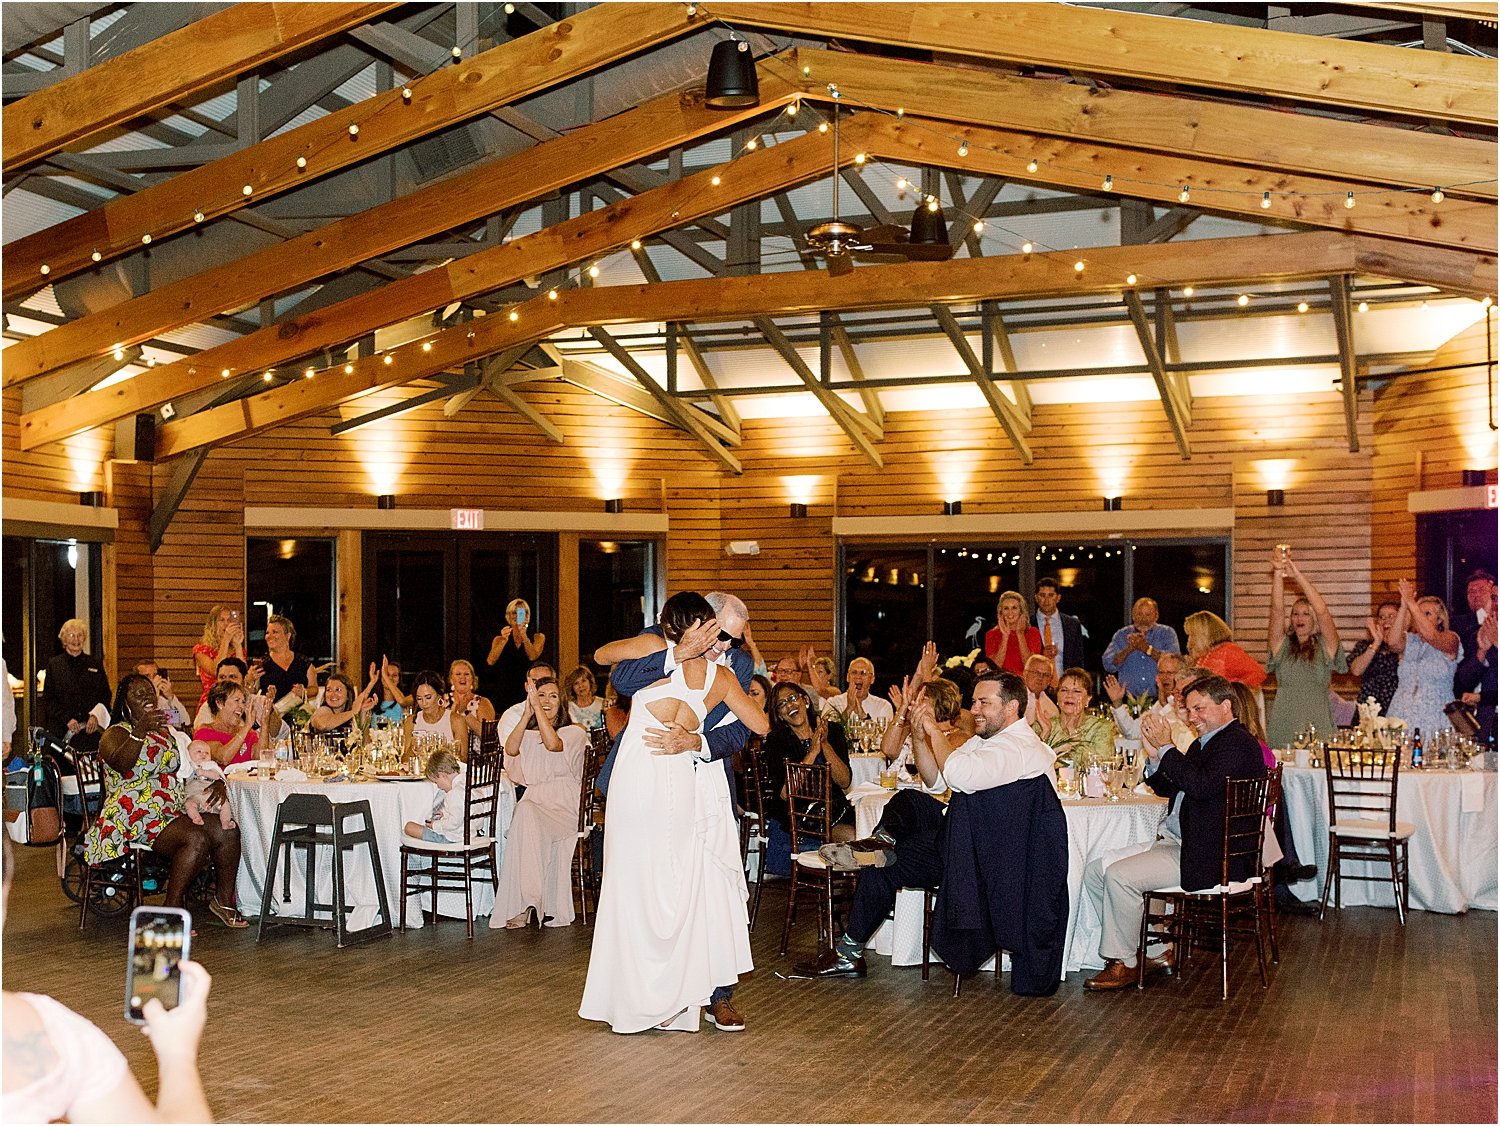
(1363, 1022)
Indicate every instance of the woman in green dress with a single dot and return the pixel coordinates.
(1304, 653)
(1080, 739)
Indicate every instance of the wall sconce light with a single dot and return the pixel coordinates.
(799, 510)
(1473, 478)
(1111, 504)
(385, 501)
(614, 506)
(953, 508)
(1275, 498)
(93, 498)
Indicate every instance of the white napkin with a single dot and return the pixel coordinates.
(1471, 791)
(290, 774)
(100, 714)
(1143, 790)
(864, 790)
(240, 767)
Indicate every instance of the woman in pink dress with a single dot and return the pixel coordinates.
(229, 729)
(223, 636)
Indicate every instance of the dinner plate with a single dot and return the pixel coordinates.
(399, 777)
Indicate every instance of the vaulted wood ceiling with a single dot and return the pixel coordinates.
(294, 205)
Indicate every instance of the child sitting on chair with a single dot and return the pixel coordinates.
(446, 825)
(206, 791)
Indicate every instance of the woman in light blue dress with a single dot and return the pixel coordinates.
(1429, 656)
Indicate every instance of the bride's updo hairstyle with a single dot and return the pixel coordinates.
(681, 611)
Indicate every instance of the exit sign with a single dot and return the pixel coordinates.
(466, 519)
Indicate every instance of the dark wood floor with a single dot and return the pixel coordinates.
(1363, 1022)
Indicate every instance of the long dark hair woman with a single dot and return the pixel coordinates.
(800, 734)
(143, 804)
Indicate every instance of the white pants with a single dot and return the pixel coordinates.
(1115, 884)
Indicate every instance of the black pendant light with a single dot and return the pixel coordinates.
(928, 227)
(732, 81)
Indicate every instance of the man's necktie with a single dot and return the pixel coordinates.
(1046, 631)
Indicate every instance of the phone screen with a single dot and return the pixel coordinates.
(159, 939)
(520, 617)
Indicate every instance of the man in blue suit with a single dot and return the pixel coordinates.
(721, 640)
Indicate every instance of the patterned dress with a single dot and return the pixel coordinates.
(138, 804)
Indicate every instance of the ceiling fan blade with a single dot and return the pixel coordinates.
(840, 264)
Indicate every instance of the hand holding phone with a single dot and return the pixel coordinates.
(160, 939)
(521, 615)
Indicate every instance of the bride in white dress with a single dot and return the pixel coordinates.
(671, 924)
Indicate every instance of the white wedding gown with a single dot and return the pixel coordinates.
(671, 924)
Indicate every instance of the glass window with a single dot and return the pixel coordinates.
(1091, 580)
(966, 586)
(886, 614)
(616, 594)
(1183, 578)
(295, 578)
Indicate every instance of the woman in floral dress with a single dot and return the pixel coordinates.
(1080, 739)
(143, 804)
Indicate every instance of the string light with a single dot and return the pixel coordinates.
(119, 353)
(1265, 201)
(552, 295)
(150, 361)
(510, 9)
(860, 158)
(793, 108)
(223, 373)
(406, 93)
(716, 181)
(751, 145)
(1109, 183)
(1302, 306)
(635, 244)
(427, 346)
(266, 378)
(457, 52)
(348, 369)
(978, 226)
(96, 256)
(1487, 302)
(963, 148)
(822, 127)
(248, 189)
(354, 129)
(1184, 195)
(594, 270)
(46, 269)
(692, 10)
(198, 216)
(1031, 165)
(1187, 291)
(932, 203)
(901, 184)
(1364, 306)
(1078, 266)
(900, 113)
(146, 239)
(1243, 300)
(1026, 248)
(514, 316)
(806, 70)
(1349, 200)
(1129, 279)
(1437, 195)
(308, 374)
(302, 162)
(389, 359)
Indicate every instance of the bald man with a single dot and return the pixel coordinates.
(856, 700)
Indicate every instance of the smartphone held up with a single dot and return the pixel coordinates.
(160, 939)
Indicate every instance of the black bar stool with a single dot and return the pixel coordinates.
(310, 822)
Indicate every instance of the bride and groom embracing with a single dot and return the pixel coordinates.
(671, 934)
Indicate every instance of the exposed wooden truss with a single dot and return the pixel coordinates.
(1172, 386)
(1343, 327)
(1269, 139)
(503, 74)
(234, 41)
(579, 239)
(1364, 76)
(960, 281)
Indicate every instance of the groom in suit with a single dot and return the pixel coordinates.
(721, 640)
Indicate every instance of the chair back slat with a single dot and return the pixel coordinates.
(1244, 823)
(489, 739)
(481, 789)
(1361, 784)
(90, 771)
(589, 800)
(807, 800)
(752, 780)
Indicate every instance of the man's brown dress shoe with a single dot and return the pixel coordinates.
(1114, 975)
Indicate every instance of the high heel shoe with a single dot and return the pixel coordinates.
(522, 921)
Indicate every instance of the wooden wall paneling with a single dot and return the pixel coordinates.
(349, 564)
(565, 647)
(222, 45)
(1427, 430)
(1368, 76)
(130, 603)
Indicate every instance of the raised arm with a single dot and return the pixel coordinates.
(746, 710)
(1396, 639)
(550, 738)
(630, 649)
(1327, 627)
(1276, 623)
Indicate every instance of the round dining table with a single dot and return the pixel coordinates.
(392, 805)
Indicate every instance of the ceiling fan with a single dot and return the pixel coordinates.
(837, 242)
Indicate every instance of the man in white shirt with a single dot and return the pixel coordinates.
(1172, 675)
(539, 671)
(1003, 749)
(856, 701)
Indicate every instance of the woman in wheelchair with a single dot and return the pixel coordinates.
(143, 804)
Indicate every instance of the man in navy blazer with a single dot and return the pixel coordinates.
(1190, 851)
(721, 640)
(1066, 647)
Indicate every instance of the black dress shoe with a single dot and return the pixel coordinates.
(1290, 905)
(1302, 872)
(831, 963)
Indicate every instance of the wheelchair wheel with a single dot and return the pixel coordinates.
(110, 891)
(72, 875)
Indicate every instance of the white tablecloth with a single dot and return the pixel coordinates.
(1452, 853)
(865, 768)
(392, 805)
(1094, 827)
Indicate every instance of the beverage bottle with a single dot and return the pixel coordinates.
(1416, 749)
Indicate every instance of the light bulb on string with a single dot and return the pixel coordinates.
(1188, 291)
(1437, 195)
(751, 145)
(427, 346)
(716, 181)
(46, 269)
(1078, 266)
(1364, 306)
(860, 158)
(1265, 201)
(1129, 279)
(248, 189)
(514, 316)
(119, 353)
(1026, 248)
(224, 373)
(302, 162)
(354, 129)
(309, 373)
(594, 270)
(932, 203)
(1242, 300)
(793, 108)
(978, 226)
(198, 216)
(348, 369)
(822, 127)
(146, 239)
(1302, 306)
(389, 359)
(1109, 183)
(963, 148)
(1348, 200)
(1031, 165)
(901, 184)
(406, 93)
(635, 244)
(457, 52)
(1184, 194)
(266, 378)
(552, 295)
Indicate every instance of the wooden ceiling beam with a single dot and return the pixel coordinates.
(756, 174)
(1002, 408)
(1082, 165)
(855, 426)
(1343, 326)
(507, 73)
(1484, 10)
(1265, 138)
(235, 41)
(1372, 77)
(506, 183)
(961, 281)
(1171, 386)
